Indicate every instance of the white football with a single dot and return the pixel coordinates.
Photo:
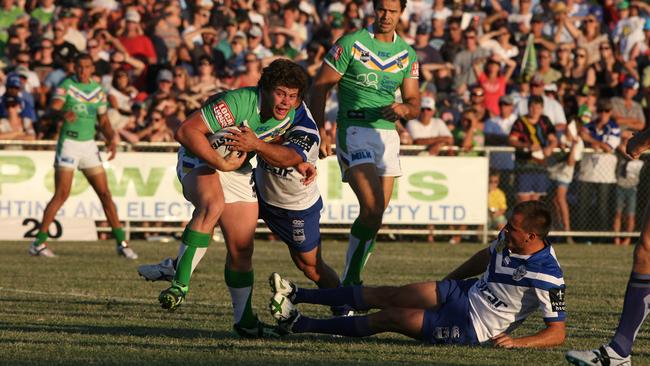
(218, 141)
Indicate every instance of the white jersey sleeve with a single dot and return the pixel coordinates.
(282, 187)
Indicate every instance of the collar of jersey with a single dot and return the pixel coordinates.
(542, 253)
(372, 35)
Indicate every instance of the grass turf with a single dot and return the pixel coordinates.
(90, 307)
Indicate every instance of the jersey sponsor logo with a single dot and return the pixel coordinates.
(415, 69)
(298, 227)
(73, 134)
(519, 273)
(67, 159)
(223, 114)
(80, 108)
(336, 51)
(489, 295)
(361, 155)
(369, 80)
(279, 172)
(298, 223)
(305, 142)
(557, 299)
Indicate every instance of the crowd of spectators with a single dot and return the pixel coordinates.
(531, 74)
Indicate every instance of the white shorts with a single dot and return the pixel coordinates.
(77, 154)
(362, 145)
(237, 185)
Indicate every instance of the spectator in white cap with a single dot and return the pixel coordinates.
(429, 130)
(627, 112)
(255, 46)
(135, 41)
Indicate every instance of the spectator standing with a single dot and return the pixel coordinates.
(533, 136)
(136, 43)
(590, 38)
(493, 81)
(627, 112)
(597, 174)
(465, 60)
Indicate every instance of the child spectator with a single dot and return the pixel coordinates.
(497, 204)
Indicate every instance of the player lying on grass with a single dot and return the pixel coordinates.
(520, 274)
(227, 196)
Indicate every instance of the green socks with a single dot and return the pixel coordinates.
(240, 285)
(193, 248)
(119, 235)
(41, 238)
(362, 243)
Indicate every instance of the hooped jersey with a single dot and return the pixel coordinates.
(513, 287)
(283, 187)
(86, 100)
(371, 72)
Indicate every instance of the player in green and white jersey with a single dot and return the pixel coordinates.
(368, 66)
(81, 103)
(221, 189)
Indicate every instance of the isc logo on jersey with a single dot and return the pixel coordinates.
(223, 114)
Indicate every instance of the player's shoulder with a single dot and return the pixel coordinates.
(545, 262)
(402, 44)
(304, 118)
(358, 35)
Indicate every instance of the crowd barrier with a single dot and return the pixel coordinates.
(437, 196)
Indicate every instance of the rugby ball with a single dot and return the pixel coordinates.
(218, 141)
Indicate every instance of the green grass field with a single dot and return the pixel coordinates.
(90, 307)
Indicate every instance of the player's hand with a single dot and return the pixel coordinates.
(244, 140)
(325, 144)
(308, 171)
(111, 146)
(503, 341)
(69, 116)
(232, 162)
(394, 111)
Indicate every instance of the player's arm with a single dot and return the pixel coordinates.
(326, 79)
(553, 335)
(108, 133)
(191, 134)
(55, 111)
(410, 106)
(472, 267)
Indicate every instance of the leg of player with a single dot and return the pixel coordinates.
(202, 188)
(373, 193)
(62, 185)
(96, 176)
(399, 320)
(636, 307)
(312, 265)
(238, 223)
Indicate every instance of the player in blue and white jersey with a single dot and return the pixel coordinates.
(520, 275)
(292, 209)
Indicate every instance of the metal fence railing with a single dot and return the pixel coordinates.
(605, 194)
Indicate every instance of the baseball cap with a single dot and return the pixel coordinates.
(165, 75)
(537, 18)
(13, 81)
(306, 7)
(132, 16)
(427, 102)
(12, 99)
(550, 87)
(622, 5)
(506, 99)
(630, 83)
(559, 7)
(537, 81)
(255, 31)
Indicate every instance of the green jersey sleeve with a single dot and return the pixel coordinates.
(413, 69)
(340, 55)
(62, 90)
(225, 109)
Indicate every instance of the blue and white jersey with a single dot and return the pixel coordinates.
(283, 187)
(513, 287)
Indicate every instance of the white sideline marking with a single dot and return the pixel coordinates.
(103, 298)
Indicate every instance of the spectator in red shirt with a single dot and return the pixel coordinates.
(136, 43)
(494, 82)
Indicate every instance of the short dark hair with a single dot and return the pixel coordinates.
(83, 56)
(402, 4)
(286, 73)
(535, 99)
(536, 215)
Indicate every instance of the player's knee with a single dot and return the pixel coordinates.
(311, 272)
(372, 217)
(240, 254)
(209, 213)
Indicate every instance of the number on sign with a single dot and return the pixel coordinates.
(31, 233)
